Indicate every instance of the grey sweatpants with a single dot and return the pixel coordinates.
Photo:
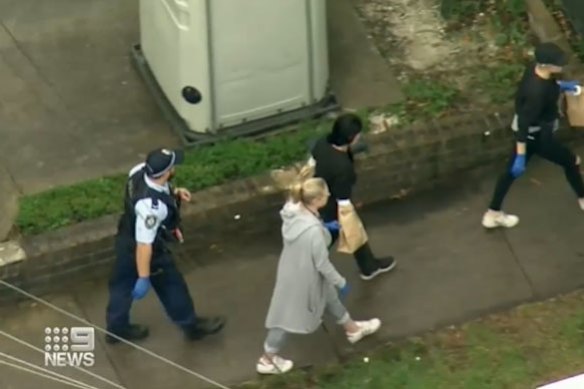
(277, 336)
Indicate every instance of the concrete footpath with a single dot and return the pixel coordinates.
(450, 270)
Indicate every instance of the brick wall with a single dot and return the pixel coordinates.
(411, 159)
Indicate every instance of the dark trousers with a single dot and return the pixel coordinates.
(335, 236)
(546, 146)
(167, 282)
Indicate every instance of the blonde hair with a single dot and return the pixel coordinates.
(307, 171)
(307, 191)
(284, 179)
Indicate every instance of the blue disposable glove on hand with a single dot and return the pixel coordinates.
(344, 291)
(518, 167)
(333, 226)
(569, 86)
(141, 288)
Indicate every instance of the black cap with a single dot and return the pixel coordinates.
(345, 129)
(160, 161)
(549, 53)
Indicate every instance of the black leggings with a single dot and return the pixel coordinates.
(544, 145)
(363, 256)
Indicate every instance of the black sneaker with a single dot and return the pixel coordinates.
(204, 327)
(384, 265)
(132, 333)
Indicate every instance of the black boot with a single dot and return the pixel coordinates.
(132, 333)
(204, 327)
(370, 266)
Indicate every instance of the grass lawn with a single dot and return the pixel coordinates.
(529, 346)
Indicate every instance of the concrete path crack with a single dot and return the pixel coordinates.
(528, 280)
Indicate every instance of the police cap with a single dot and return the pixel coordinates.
(160, 161)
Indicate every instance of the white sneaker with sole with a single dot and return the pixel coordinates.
(277, 365)
(499, 219)
(366, 328)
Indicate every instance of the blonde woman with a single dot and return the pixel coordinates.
(307, 284)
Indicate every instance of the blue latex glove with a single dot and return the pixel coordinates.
(333, 226)
(344, 291)
(569, 86)
(141, 288)
(518, 167)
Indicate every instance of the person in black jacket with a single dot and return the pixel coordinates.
(334, 163)
(536, 119)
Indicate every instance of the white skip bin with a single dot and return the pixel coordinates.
(235, 67)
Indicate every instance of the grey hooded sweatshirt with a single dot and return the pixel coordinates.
(306, 278)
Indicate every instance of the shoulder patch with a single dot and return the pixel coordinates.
(150, 221)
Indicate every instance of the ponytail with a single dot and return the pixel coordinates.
(295, 192)
(307, 191)
(286, 179)
(307, 171)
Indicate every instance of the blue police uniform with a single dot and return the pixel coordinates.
(151, 215)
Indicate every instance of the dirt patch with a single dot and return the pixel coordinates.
(481, 56)
(412, 33)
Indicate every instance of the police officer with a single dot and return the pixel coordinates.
(150, 221)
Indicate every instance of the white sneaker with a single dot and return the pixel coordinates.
(365, 328)
(277, 365)
(499, 219)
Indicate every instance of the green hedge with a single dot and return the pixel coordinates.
(212, 165)
(203, 168)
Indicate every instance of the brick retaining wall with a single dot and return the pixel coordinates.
(411, 159)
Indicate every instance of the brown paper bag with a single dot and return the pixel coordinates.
(575, 109)
(352, 234)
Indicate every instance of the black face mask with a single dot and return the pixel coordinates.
(557, 76)
(561, 74)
